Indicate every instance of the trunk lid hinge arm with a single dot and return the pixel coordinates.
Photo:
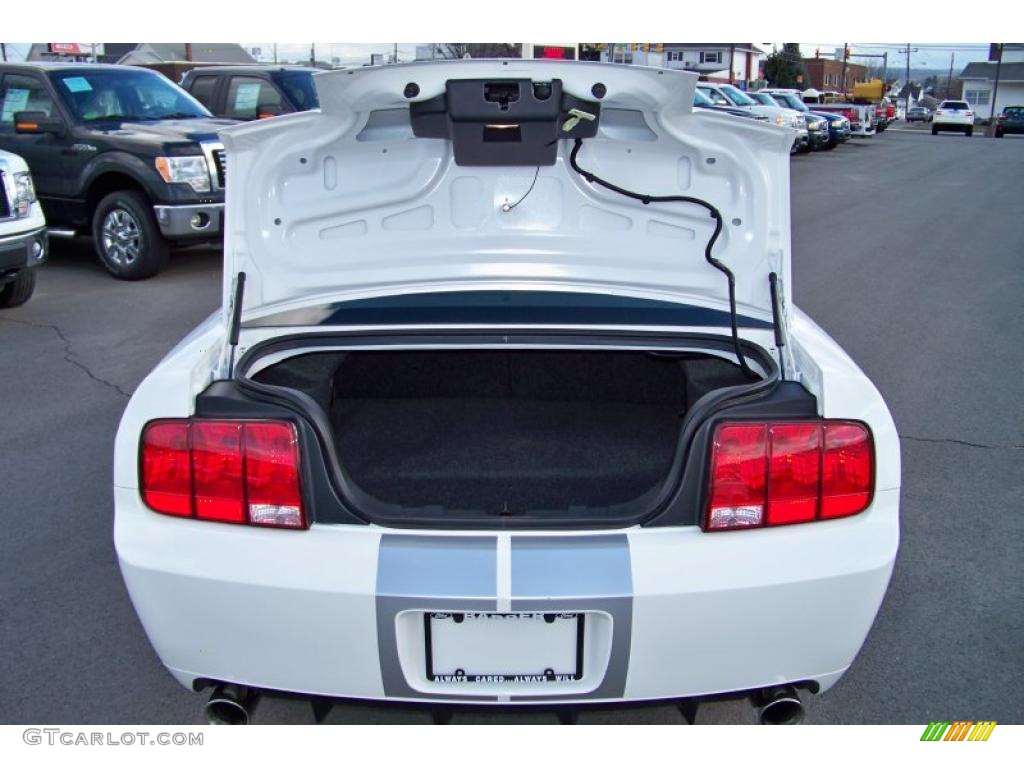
(234, 323)
(779, 325)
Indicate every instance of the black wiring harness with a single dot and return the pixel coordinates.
(715, 214)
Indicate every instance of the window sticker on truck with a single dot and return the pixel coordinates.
(14, 101)
(247, 96)
(77, 84)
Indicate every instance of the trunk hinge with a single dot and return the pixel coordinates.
(234, 323)
(779, 325)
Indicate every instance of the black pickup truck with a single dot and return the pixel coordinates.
(250, 92)
(120, 153)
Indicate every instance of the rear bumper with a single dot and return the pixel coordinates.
(333, 611)
(180, 222)
(25, 249)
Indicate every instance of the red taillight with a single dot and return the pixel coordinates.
(167, 468)
(738, 474)
(228, 471)
(794, 473)
(847, 470)
(217, 471)
(765, 474)
(969, 113)
(272, 475)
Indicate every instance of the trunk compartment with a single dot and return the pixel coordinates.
(534, 433)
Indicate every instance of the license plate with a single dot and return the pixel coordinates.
(504, 647)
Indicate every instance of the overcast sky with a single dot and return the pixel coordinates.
(934, 56)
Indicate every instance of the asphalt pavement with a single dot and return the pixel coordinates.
(908, 249)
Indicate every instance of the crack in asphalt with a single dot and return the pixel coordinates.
(967, 443)
(69, 354)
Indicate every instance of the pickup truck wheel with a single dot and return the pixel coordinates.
(969, 131)
(19, 290)
(126, 236)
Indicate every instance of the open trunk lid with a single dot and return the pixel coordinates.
(352, 201)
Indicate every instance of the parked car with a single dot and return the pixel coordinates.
(861, 116)
(251, 92)
(22, 232)
(703, 102)
(953, 116)
(118, 152)
(838, 126)
(817, 125)
(918, 115)
(725, 95)
(885, 113)
(1010, 120)
(447, 444)
(838, 129)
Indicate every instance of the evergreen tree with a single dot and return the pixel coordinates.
(785, 68)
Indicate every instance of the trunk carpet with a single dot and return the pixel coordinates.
(504, 455)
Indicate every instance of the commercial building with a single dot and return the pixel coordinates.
(827, 74)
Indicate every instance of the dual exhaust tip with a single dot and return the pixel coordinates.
(234, 704)
(780, 705)
(231, 705)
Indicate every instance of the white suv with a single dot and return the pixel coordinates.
(508, 404)
(23, 237)
(953, 116)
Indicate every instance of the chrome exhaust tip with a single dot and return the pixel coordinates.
(780, 706)
(231, 705)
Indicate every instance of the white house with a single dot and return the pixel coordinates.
(979, 78)
(739, 63)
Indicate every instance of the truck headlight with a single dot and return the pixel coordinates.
(798, 122)
(191, 170)
(780, 120)
(24, 193)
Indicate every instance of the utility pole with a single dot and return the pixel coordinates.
(3, 50)
(885, 66)
(995, 89)
(275, 53)
(949, 80)
(394, 59)
(312, 54)
(908, 51)
(188, 51)
(846, 58)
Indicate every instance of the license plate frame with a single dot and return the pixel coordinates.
(461, 675)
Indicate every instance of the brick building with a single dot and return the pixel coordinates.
(827, 74)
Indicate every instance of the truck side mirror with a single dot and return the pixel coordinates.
(37, 123)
